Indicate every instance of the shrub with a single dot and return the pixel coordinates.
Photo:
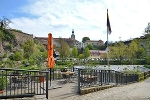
(3, 82)
(16, 56)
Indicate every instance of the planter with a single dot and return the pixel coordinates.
(41, 79)
(1, 91)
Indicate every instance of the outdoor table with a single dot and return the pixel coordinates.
(67, 75)
(19, 80)
(88, 78)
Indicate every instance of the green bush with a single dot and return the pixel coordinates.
(5, 55)
(16, 56)
(147, 66)
(3, 82)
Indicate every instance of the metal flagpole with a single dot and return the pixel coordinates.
(108, 32)
(107, 49)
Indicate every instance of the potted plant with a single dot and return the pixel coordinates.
(3, 83)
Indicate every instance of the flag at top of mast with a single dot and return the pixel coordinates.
(108, 24)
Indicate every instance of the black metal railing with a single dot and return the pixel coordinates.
(92, 77)
(17, 83)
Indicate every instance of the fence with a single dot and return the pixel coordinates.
(56, 72)
(17, 83)
(92, 78)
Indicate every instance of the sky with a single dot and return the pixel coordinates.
(88, 18)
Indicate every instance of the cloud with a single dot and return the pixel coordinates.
(88, 18)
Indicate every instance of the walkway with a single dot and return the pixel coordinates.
(134, 91)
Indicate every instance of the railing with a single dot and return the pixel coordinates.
(19, 83)
(92, 78)
(56, 73)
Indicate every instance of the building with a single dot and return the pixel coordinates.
(97, 53)
(94, 42)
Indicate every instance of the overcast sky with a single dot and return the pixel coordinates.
(128, 18)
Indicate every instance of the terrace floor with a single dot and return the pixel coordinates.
(68, 91)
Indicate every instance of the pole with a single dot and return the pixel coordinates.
(108, 31)
(50, 76)
(107, 49)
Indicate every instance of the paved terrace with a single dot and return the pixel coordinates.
(134, 91)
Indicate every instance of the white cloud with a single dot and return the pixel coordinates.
(128, 18)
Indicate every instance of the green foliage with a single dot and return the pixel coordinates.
(86, 52)
(39, 55)
(103, 47)
(41, 48)
(90, 47)
(147, 66)
(74, 52)
(5, 55)
(80, 56)
(36, 41)
(28, 48)
(9, 47)
(32, 67)
(16, 56)
(132, 49)
(8, 36)
(1, 35)
(66, 63)
(3, 82)
(17, 30)
(63, 49)
(85, 38)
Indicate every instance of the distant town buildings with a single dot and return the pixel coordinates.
(94, 42)
(97, 53)
(73, 42)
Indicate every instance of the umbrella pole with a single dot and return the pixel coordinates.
(50, 76)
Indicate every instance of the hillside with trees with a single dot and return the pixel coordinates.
(14, 54)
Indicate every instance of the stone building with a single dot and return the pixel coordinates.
(94, 42)
(97, 53)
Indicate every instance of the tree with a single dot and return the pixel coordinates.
(132, 49)
(63, 49)
(16, 56)
(4, 23)
(102, 47)
(90, 47)
(86, 52)
(5, 34)
(85, 38)
(80, 56)
(118, 51)
(28, 48)
(74, 52)
(39, 55)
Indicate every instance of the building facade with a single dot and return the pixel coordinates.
(94, 42)
(97, 53)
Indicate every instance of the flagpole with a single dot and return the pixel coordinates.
(107, 40)
(107, 48)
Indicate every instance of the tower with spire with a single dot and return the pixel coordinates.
(72, 35)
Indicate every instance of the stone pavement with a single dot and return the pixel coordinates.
(134, 91)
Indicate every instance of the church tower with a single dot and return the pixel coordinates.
(72, 35)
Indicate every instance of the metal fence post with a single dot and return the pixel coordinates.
(102, 78)
(47, 85)
(79, 80)
(116, 75)
(109, 76)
